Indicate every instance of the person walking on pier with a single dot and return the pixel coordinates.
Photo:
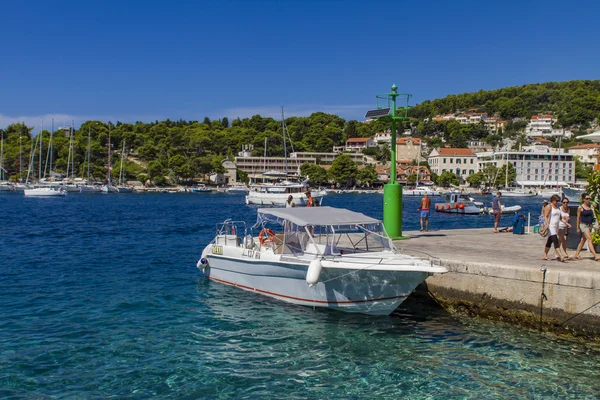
(424, 209)
(585, 219)
(497, 210)
(552, 217)
(563, 225)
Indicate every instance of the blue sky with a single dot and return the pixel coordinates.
(145, 60)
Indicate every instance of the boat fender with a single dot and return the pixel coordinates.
(202, 263)
(436, 207)
(249, 242)
(455, 206)
(461, 206)
(314, 272)
(448, 207)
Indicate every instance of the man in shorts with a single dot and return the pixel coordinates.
(424, 209)
(497, 209)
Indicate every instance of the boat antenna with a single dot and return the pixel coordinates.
(284, 143)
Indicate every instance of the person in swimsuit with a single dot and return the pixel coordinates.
(310, 202)
(424, 209)
(552, 217)
(585, 219)
(497, 209)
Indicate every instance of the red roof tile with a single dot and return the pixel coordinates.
(456, 152)
(357, 140)
(403, 140)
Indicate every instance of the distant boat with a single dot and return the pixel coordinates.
(457, 203)
(238, 189)
(121, 187)
(201, 189)
(420, 191)
(45, 192)
(517, 193)
(505, 209)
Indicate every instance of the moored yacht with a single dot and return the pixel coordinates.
(318, 257)
(45, 192)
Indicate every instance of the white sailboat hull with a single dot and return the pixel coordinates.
(367, 292)
(109, 189)
(419, 192)
(509, 193)
(279, 199)
(44, 192)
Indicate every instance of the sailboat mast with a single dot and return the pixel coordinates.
(41, 145)
(88, 156)
(73, 149)
(122, 160)
(50, 147)
(284, 142)
(108, 146)
(2, 155)
(506, 175)
(265, 156)
(20, 156)
(69, 156)
(559, 148)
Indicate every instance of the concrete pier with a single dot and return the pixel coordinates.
(498, 276)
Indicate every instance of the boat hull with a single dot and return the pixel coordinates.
(517, 194)
(279, 199)
(40, 192)
(367, 292)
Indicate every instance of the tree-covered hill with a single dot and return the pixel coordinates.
(575, 103)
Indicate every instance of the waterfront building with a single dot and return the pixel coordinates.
(534, 167)
(460, 161)
(359, 144)
(444, 117)
(327, 158)
(587, 153)
(403, 172)
(258, 165)
(408, 148)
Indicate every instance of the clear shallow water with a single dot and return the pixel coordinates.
(100, 297)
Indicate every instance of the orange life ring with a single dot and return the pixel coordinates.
(266, 235)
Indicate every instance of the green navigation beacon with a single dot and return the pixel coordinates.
(392, 191)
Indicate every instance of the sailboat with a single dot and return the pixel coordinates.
(122, 188)
(88, 187)
(419, 190)
(108, 187)
(50, 188)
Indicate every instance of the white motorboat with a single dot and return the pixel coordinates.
(237, 189)
(458, 203)
(517, 193)
(124, 189)
(45, 192)
(7, 187)
(90, 188)
(420, 191)
(109, 189)
(505, 209)
(321, 257)
(278, 193)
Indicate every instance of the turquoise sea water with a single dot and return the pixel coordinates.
(100, 298)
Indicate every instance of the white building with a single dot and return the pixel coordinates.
(534, 168)
(258, 165)
(462, 162)
(541, 125)
(588, 153)
(383, 137)
(471, 118)
(326, 158)
(359, 144)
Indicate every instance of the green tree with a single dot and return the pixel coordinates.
(490, 172)
(447, 178)
(343, 170)
(315, 173)
(476, 179)
(582, 170)
(411, 179)
(242, 176)
(501, 178)
(367, 175)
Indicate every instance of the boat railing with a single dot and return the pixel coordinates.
(228, 232)
(434, 261)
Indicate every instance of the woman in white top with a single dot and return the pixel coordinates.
(290, 202)
(552, 217)
(563, 225)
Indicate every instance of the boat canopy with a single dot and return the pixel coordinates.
(303, 216)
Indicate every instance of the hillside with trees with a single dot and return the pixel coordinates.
(181, 151)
